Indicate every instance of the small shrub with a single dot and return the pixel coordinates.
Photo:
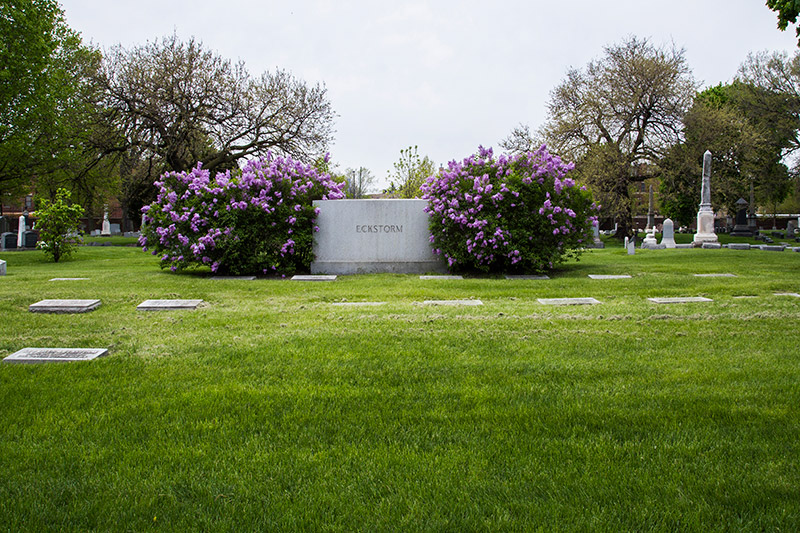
(57, 224)
(256, 220)
(518, 214)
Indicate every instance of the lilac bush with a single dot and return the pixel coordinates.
(508, 214)
(257, 220)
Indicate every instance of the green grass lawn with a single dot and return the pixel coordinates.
(270, 408)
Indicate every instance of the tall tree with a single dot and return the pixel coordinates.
(46, 95)
(410, 172)
(740, 153)
(787, 11)
(618, 116)
(358, 182)
(184, 104)
(770, 94)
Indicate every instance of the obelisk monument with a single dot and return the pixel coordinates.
(705, 216)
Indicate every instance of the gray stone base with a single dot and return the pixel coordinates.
(567, 301)
(711, 246)
(301, 277)
(738, 246)
(453, 302)
(64, 306)
(347, 267)
(680, 300)
(168, 305)
(48, 355)
(2, 268)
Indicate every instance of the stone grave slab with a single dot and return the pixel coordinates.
(69, 279)
(745, 296)
(711, 246)
(441, 277)
(609, 276)
(358, 304)
(168, 305)
(239, 278)
(794, 294)
(2, 268)
(48, 355)
(684, 246)
(772, 248)
(714, 275)
(470, 303)
(376, 235)
(796, 249)
(738, 246)
(313, 277)
(527, 276)
(568, 301)
(64, 306)
(680, 300)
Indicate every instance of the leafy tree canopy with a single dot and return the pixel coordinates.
(787, 11)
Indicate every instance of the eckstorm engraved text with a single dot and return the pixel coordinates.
(379, 228)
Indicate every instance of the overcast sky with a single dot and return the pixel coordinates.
(446, 75)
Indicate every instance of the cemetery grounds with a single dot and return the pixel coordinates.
(271, 407)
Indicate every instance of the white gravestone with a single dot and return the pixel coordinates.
(705, 216)
(597, 242)
(106, 225)
(650, 241)
(21, 232)
(369, 236)
(2, 268)
(668, 234)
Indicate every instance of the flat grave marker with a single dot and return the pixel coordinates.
(238, 278)
(313, 277)
(64, 306)
(2, 268)
(358, 304)
(60, 355)
(168, 305)
(680, 300)
(794, 294)
(738, 246)
(441, 277)
(470, 303)
(609, 276)
(568, 301)
(527, 276)
(69, 279)
(714, 275)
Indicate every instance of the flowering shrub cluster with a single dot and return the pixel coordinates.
(517, 214)
(256, 220)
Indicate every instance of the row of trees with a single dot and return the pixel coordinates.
(105, 125)
(635, 114)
